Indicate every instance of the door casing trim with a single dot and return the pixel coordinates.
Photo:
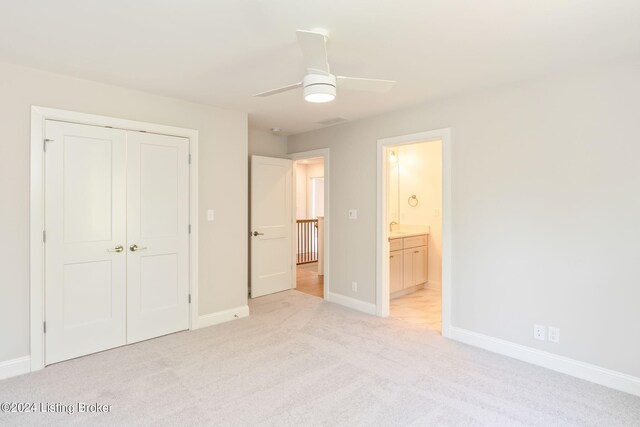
(36, 265)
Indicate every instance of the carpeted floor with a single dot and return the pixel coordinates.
(300, 361)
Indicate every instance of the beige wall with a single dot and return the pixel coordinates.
(264, 143)
(545, 209)
(304, 172)
(222, 185)
(301, 190)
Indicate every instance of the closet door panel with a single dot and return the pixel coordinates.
(158, 236)
(85, 214)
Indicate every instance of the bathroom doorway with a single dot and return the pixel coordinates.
(414, 206)
(413, 195)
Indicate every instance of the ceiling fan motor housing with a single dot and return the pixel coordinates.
(319, 87)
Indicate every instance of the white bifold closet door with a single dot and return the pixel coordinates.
(86, 230)
(157, 235)
(116, 249)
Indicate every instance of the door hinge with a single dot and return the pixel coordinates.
(189, 228)
(44, 236)
(44, 327)
(189, 158)
(44, 144)
(189, 298)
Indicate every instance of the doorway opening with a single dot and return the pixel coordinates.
(414, 206)
(414, 229)
(279, 242)
(309, 178)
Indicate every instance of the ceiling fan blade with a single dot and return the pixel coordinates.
(370, 85)
(279, 90)
(314, 50)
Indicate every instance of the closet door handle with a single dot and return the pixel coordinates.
(134, 248)
(118, 248)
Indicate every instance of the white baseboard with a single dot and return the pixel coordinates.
(15, 367)
(353, 303)
(407, 291)
(436, 286)
(575, 368)
(222, 316)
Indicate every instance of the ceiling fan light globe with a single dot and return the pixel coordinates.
(319, 97)
(319, 88)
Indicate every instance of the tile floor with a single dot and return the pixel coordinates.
(423, 307)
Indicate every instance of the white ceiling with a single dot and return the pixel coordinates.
(221, 52)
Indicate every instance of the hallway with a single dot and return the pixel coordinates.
(308, 281)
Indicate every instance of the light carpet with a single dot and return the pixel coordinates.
(300, 361)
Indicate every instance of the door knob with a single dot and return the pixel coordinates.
(135, 248)
(118, 248)
(255, 233)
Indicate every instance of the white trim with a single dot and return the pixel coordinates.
(575, 368)
(15, 367)
(195, 228)
(356, 304)
(324, 153)
(407, 291)
(36, 246)
(434, 286)
(382, 245)
(38, 117)
(222, 316)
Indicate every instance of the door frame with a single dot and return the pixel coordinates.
(37, 301)
(382, 245)
(301, 155)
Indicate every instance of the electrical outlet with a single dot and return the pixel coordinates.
(539, 332)
(554, 334)
(354, 286)
(353, 214)
(211, 215)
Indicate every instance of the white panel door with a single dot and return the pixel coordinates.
(157, 235)
(271, 224)
(85, 262)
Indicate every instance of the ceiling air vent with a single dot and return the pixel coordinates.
(334, 121)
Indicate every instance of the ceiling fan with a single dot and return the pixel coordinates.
(319, 85)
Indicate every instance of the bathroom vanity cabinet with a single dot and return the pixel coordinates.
(407, 263)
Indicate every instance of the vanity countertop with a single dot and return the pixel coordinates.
(402, 234)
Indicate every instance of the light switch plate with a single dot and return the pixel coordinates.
(554, 334)
(211, 215)
(353, 214)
